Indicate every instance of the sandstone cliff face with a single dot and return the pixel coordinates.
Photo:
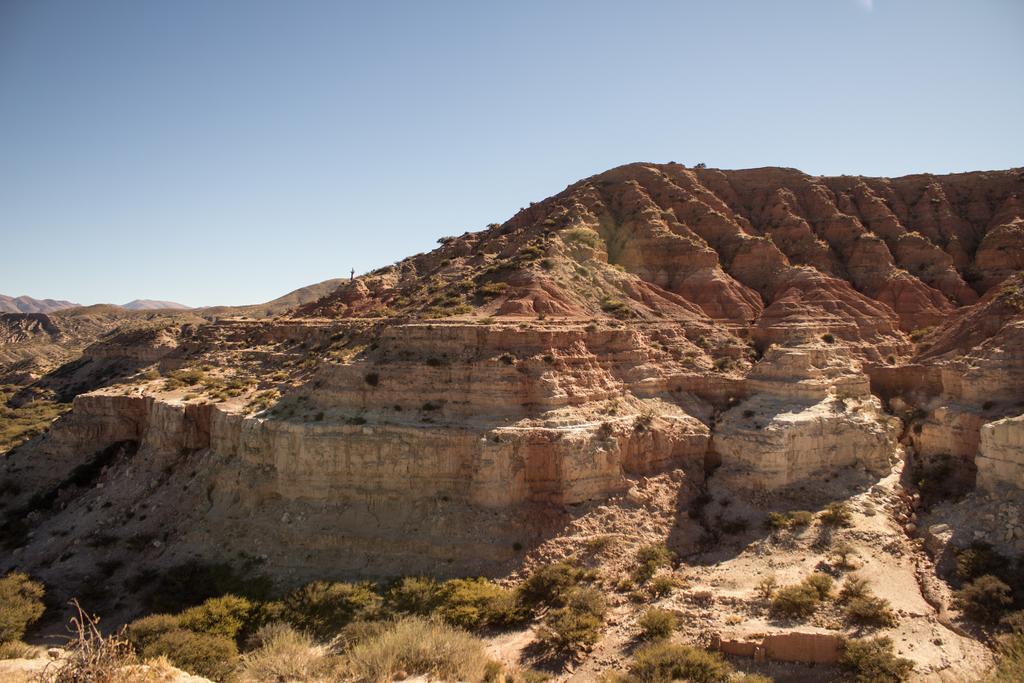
(1001, 457)
(810, 415)
(649, 318)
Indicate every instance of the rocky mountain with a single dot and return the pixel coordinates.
(657, 354)
(26, 304)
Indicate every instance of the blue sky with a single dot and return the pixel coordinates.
(228, 152)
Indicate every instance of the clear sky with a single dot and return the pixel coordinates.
(227, 152)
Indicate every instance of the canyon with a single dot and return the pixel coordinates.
(599, 363)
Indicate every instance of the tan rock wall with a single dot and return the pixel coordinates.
(1000, 459)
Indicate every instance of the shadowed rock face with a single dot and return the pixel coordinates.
(440, 414)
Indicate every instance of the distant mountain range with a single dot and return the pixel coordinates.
(150, 304)
(26, 304)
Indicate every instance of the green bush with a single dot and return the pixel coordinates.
(663, 662)
(869, 610)
(795, 602)
(199, 653)
(777, 520)
(662, 585)
(143, 632)
(577, 626)
(479, 603)
(550, 584)
(21, 605)
(985, 599)
(837, 514)
(821, 583)
(649, 559)
(413, 595)
(854, 587)
(657, 623)
(874, 661)
(229, 616)
(417, 647)
(323, 608)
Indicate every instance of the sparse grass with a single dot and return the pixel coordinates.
(21, 605)
(417, 647)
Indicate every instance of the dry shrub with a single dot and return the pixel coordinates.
(875, 661)
(143, 632)
(92, 657)
(854, 587)
(285, 655)
(479, 603)
(415, 646)
(228, 616)
(795, 602)
(550, 584)
(663, 661)
(657, 623)
(870, 610)
(649, 559)
(413, 595)
(577, 625)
